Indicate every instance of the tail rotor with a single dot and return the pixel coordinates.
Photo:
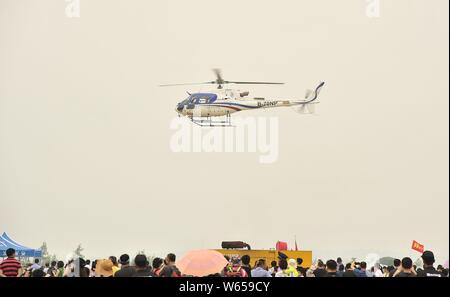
(308, 106)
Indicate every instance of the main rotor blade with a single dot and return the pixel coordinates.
(253, 83)
(189, 84)
(218, 74)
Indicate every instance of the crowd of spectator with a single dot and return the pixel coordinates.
(140, 266)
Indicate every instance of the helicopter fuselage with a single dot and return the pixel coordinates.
(215, 105)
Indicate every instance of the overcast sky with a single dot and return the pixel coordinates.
(85, 131)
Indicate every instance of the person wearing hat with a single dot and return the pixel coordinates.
(282, 256)
(428, 268)
(104, 268)
(125, 269)
(142, 267)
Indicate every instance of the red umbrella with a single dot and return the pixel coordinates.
(202, 263)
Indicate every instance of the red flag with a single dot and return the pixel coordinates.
(417, 246)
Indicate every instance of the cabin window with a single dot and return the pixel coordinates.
(202, 98)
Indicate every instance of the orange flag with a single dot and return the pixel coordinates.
(417, 246)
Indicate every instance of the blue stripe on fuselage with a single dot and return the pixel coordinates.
(229, 103)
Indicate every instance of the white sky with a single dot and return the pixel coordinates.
(84, 129)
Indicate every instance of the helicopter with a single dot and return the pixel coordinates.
(201, 108)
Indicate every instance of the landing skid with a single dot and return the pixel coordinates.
(209, 122)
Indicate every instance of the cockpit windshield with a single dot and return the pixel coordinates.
(185, 101)
(200, 98)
